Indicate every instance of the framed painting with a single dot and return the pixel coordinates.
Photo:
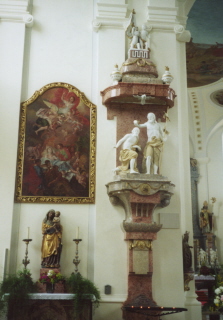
(57, 146)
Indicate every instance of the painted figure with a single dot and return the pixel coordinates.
(205, 219)
(51, 243)
(128, 154)
(153, 149)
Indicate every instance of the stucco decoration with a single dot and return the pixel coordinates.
(217, 97)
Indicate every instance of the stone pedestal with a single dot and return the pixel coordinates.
(139, 195)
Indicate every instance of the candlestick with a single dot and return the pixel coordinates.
(76, 261)
(77, 233)
(26, 261)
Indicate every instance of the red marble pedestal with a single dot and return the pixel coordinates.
(139, 195)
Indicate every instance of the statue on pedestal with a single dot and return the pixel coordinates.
(202, 258)
(205, 219)
(52, 240)
(128, 154)
(139, 38)
(153, 149)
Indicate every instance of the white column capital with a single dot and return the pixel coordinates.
(182, 35)
(28, 20)
(16, 11)
(110, 15)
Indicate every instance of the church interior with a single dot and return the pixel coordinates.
(111, 152)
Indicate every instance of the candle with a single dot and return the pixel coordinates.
(77, 233)
(28, 233)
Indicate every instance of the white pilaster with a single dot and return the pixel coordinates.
(14, 17)
(109, 43)
(167, 18)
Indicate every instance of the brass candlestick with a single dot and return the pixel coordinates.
(76, 261)
(26, 261)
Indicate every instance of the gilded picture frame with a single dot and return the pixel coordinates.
(57, 147)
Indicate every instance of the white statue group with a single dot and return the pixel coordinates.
(139, 38)
(152, 151)
(209, 260)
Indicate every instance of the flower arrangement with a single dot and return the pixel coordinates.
(51, 276)
(218, 300)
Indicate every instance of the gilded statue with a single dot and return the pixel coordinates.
(52, 240)
(206, 219)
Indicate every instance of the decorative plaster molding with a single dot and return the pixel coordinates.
(16, 11)
(28, 20)
(169, 19)
(197, 120)
(162, 14)
(110, 15)
(182, 35)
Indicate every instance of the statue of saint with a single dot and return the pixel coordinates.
(52, 240)
(187, 255)
(205, 219)
(153, 149)
(202, 258)
(128, 154)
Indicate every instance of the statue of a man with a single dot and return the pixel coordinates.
(205, 219)
(128, 154)
(153, 149)
(135, 38)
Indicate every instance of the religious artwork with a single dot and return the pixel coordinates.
(128, 154)
(205, 219)
(52, 240)
(153, 149)
(204, 63)
(187, 261)
(56, 157)
(202, 258)
(139, 38)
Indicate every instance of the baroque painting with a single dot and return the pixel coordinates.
(205, 50)
(56, 156)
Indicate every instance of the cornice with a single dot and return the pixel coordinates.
(110, 15)
(16, 11)
(169, 19)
